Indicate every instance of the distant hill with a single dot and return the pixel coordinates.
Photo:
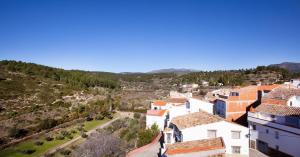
(292, 67)
(173, 70)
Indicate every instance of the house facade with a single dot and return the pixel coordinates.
(275, 130)
(234, 104)
(158, 117)
(202, 125)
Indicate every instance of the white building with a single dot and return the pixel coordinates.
(197, 104)
(202, 125)
(275, 130)
(158, 117)
(295, 83)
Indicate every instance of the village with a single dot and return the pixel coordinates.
(256, 120)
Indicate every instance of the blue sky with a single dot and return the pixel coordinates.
(143, 35)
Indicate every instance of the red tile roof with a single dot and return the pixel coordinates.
(195, 146)
(159, 103)
(194, 119)
(279, 110)
(156, 112)
(177, 100)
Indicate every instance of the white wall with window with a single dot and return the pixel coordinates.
(265, 134)
(234, 135)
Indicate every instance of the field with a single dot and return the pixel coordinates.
(16, 151)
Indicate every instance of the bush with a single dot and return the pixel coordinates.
(65, 152)
(60, 137)
(146, 136)
(99, 117)
(73, 131)
(84, 135)
(137, 115)
(89, 118)
(65, 133)
(48, 138)
(48, 123)
(38, 143)
(17, 133)
(28, 151)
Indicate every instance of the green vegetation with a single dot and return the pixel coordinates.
(37, 147)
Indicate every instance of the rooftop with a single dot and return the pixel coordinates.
(156, 112)
(279, 110)
(194, 119)
(282, 93)
(177, 100)
(195, 146)
(159, 103)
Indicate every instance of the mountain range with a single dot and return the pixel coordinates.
(290, 66)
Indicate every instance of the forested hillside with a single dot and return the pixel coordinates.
(35, 97)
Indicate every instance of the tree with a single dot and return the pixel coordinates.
(100, 145)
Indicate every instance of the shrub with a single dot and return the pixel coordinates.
(60, 137)
(89, 118)
(28, 151)
(16, 133)
(73, 131)
(99, 117)
(38, 143)
(48, 138)
(84, 135)
(48, 123)
(65, 151)
(137, 115)
(65, 133)
(49, 154)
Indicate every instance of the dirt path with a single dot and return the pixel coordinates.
(120, 116)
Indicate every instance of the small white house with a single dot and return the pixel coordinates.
(158, 117)
(196, 104)
(295, 83)
(159, 105)
(275, 130)
(202, 125)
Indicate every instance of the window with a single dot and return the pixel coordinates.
(211, 133)
(277, 147)
(276, 134)
(235, 134)
(291, 103)
(236, 149)
(267, 131)
(253, 127)
(168, 137)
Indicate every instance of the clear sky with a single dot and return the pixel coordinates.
(143, 35)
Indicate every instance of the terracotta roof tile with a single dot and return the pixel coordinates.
(280, 110)
(282, 93)
(159, 103)
(156, 112)
(177, 100)
(194, 119)
(195, 146)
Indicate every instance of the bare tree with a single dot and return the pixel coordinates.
(100, 145)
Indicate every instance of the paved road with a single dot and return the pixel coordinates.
(120, 116)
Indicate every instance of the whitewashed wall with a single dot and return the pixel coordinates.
(196, 105)
(287, 142)
(223, 130)
(159, 120)
(295, 101)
